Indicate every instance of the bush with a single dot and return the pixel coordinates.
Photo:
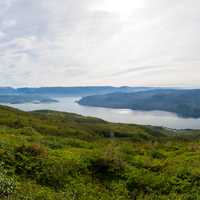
(148, 182)
(107, 166)
(32, 150)
(157, 154)
(7, 184)
(56, 174)
(29, 159)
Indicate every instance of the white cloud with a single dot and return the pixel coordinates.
(121, 42)
(8, 24)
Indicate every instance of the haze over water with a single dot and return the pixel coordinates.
(155, 118)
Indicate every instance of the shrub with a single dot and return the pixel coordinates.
(109, 165)
(32, 150)
(29, 159)
(56, 174)
(157, 154)
(7, 184)
(148, 182)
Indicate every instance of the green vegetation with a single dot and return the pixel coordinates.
(48, 155)
(185, 103)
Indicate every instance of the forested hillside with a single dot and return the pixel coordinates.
(185, 103)
(52, 155)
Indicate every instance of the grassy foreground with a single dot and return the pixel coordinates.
(46, 155)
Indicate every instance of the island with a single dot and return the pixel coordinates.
(23, 98)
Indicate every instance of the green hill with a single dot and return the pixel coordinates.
(52, 155)
(185, 103)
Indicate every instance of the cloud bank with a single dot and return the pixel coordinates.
(91, 42)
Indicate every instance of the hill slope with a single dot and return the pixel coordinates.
(53, 155)
(185, 103)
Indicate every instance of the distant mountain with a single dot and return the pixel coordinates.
(79, 91)
(185, 103)
(7, 90)
(46, 94)
(18, 99)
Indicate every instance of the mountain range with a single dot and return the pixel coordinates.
(79, 91)
(47, 94)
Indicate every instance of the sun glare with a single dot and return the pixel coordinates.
(123, 7)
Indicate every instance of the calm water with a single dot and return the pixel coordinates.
(156, 118)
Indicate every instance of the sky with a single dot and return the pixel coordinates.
(100, 42)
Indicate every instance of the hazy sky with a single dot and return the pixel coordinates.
(100, 42)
